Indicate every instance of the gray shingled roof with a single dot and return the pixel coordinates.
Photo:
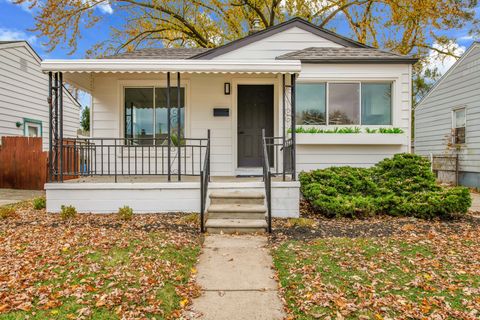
(159, 53)
(351, 55)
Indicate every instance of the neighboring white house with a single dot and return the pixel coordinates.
(447, 119)
(23, 104)
(279, 79)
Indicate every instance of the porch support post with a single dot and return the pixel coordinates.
(179, 128)
(169, 143)
(294, 127)
(283, 128)
(50, 127)
(60, 124)
(55, 134)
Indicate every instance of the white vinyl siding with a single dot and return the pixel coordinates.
(289, 40)
(433, 116)
(24, 92)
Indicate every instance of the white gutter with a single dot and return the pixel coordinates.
(162, 66)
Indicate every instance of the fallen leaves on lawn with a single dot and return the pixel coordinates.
(403, 269)
(96, 263)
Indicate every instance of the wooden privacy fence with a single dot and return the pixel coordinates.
(445, 167)
(24, 164)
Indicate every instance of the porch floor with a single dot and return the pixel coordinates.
(174, 178)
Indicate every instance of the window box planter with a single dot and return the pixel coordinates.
(351, 138)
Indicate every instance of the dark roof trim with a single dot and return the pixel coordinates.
(361, 61)
(295, 22)
(10, 41)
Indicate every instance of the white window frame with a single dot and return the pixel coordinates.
(359, 82)
(454, 127)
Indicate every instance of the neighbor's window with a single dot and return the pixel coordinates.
(311, 104)
(32, 128)
(459, 123)
(146, 113)
(345, 103)
(376, 103)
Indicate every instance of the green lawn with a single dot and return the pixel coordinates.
(414, 275)
(96, 266)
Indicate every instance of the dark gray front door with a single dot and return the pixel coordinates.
(255, 112)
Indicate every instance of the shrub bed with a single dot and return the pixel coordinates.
(399, 186)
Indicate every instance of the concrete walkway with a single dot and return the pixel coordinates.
(475, 208)
(10, 196)
(475, 202)
(235, 273)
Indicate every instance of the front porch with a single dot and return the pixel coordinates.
(163, 139)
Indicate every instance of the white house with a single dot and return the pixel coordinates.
(447, 120)
(23, 104)
(285, 79)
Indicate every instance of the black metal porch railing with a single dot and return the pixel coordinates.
(204, 180)
(267, 179)
(83, 157)
(272, 148)
(280, 150)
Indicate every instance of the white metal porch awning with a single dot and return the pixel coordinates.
(163, 66)
(76, 70)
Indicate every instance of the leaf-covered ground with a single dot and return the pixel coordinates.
(384, 268)
(96, 266)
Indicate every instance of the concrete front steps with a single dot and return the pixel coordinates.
(236, 212)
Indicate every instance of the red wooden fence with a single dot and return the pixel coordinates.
(24, 164)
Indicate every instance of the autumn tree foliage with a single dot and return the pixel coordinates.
(403, 26)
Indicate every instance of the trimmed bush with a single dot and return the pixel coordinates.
(39, 203)
(125, 213)
(405, 173)
(398, 186)
(68, 212)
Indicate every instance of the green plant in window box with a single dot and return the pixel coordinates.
(346, 130)
(390, 130)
